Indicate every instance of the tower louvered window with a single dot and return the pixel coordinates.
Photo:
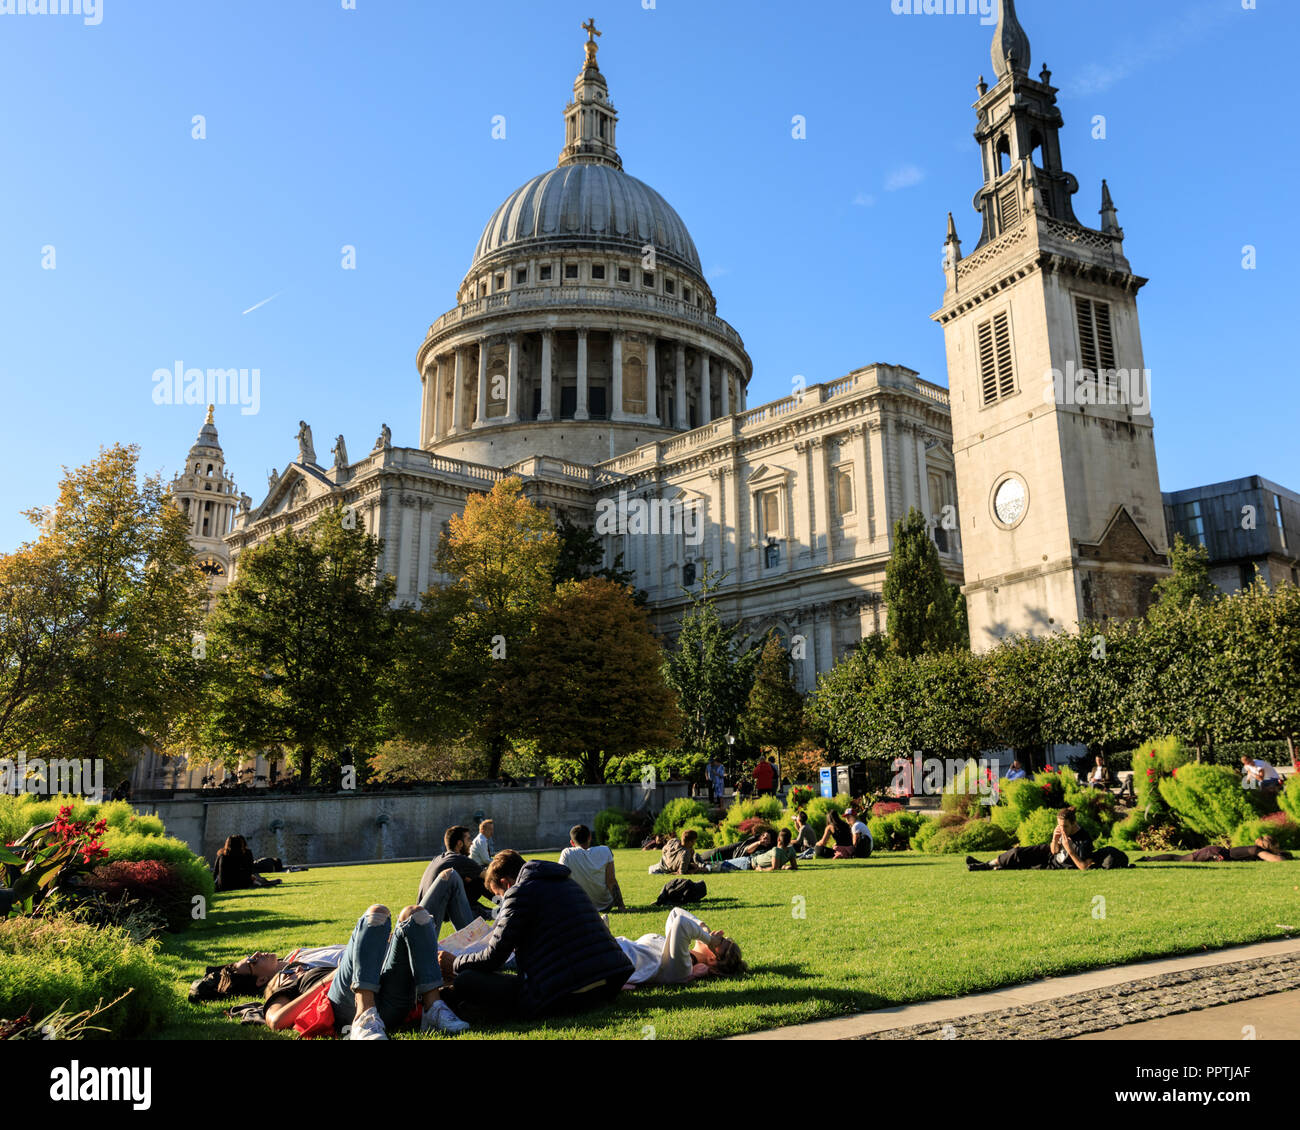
(1010, 208)
(997, 372)
(1096, 338)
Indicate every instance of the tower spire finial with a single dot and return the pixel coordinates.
(590, 119)
(211, 409)
(1011, 51)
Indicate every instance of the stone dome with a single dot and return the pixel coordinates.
(582, 205)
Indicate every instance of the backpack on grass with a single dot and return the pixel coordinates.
(678, 892)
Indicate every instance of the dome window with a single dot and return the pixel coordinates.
(500, 282)
(598, 270)
(670, 287)
(521, 276)
(625, 274)
(686, 293)
(648, 279)
(570, 270)
(545, 273)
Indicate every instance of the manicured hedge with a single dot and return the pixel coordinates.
(47, 962)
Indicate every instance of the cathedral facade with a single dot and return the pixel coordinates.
(586, 356)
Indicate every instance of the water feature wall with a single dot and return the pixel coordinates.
(363, 827)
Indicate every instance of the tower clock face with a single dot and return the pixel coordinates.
(213, 568)
(1009, 501)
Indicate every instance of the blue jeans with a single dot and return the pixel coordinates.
(446, 901)
(398, 967)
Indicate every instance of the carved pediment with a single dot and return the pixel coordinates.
(1122, 542)
(765, 476)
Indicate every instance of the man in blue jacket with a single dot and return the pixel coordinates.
(566, 957)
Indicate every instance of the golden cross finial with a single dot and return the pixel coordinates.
(590, 28)
(210, 409)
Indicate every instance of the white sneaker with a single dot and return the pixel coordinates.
(368, 1026)
(439, 1018)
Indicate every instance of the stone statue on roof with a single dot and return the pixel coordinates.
(306, 449)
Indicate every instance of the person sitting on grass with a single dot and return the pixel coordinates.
(567, 961)
(386, 978)
(484, 847)
(456, 840)
(805, 839)
(852, 841)
(1016, 772)
(1259, 774)
(234, 868)
(679, 857)
(762, 839)
(592, 869)
(1070, 849)
(684, 952)
(1266, 849)
(782, 857)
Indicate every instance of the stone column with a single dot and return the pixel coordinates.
(825, 639)
(922, 477)
(724, 376)
(820, 542)
(706, 391)
(682, 418)
(458, 394)
(548, 346)
(616, 374)
(436, 423)
(580, 411)
(652, 380)
(875, 450)
(482, 382)
(426, 425)
(512, 383)
(741, 393)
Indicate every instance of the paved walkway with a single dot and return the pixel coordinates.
(1115, 999)
(1275, 1017)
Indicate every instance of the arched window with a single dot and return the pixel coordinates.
(634, 386)
(1003, 154)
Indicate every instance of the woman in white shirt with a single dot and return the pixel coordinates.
(686, 950)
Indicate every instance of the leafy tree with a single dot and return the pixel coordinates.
(581, 555)
(590, 685)
(457, 655)
(1189, 581)
(1020, 690)
(97, 618)
(710, 671)
(774, 712)
(926, 613)
(298, 644)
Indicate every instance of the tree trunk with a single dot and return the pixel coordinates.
(307, 757)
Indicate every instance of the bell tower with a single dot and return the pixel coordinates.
(207, 497)
(1053, 439)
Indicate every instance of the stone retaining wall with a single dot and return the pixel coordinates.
(365, 826)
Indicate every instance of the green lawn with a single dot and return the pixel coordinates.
(885, 931)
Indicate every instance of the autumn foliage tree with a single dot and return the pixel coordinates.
(97, 618)
(590, 683)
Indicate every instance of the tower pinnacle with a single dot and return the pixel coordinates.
(1010, 43)
(590, 119)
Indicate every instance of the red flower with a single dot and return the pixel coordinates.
(1153, 753)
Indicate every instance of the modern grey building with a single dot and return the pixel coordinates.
(1243, 523)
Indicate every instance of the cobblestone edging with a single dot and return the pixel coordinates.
(1100, 1010)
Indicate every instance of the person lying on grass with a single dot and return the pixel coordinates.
(1266, 849)
(387, 977)
(679, 856)
(764, 839)
(684, 952)
(1070, 849)
(768, 856)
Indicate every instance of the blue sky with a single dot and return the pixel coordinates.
(373, 128)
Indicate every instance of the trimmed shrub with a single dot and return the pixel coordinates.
(1208, 799)
(161, 885)
(1023, 797)
(981, 835)
(680, 813)
(925, 833)
(963, 793)
(604, 818)
(766, 808)
(1037, 827)
(1007, 818)
(1094, 808)
(1289, 798)
(1153, 762)
(894, 832)
(130, 848)
(1280, 826)
(619, 834)
(45, 962)
(26, 810)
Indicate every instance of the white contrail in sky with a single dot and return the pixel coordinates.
(264, 302)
